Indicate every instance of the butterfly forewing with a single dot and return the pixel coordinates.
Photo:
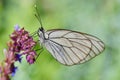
(71, 47)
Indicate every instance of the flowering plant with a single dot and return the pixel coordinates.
(21, 44)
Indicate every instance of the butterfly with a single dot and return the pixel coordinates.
(70, 47)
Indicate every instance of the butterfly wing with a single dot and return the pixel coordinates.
(71, 47)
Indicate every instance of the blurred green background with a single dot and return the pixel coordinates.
(97, 17)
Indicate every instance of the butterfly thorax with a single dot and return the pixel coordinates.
(42, 35)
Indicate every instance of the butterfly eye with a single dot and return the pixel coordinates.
(41, 29)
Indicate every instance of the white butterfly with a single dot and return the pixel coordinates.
(70, 47)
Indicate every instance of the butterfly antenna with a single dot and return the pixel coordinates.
(37, 15)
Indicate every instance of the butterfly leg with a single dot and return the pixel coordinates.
(40, 50)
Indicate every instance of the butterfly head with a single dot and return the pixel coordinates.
(40, 31)
(42, 35)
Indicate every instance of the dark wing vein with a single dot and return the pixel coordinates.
(59, 52)
(58, 43)
(80, 44)
(96, 47)
(53, 50)
(75, 54)
(68, 55)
